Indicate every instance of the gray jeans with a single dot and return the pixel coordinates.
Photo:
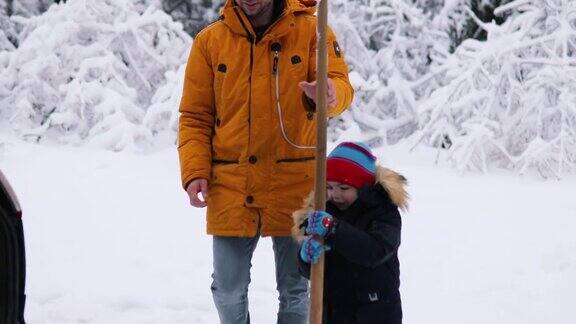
(231, 277)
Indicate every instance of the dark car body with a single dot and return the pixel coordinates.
(12, 256)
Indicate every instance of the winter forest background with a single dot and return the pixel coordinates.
(488, 83)
(459, 96)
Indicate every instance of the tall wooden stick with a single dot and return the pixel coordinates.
(317, 271)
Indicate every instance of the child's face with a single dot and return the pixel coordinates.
(342, 195)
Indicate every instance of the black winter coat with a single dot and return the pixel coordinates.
(362, 272)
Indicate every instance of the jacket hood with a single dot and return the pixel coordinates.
(392, 182)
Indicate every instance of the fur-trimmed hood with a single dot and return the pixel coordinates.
(393, 183)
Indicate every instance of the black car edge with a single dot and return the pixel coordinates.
(12, 256)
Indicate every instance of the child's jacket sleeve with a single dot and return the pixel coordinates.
(371, 247)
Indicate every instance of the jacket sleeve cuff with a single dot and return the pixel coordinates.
(344, 95)
(308, 103)
(186, 181)
(332, 231)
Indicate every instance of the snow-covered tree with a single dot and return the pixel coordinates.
(399, 49)
(162, 116)
(193, 14)
(6, 7)
(28, 8)
(510, 101)
(8, 34)
(432, 7)
(86, 71)
(20, 8)
(456, 20)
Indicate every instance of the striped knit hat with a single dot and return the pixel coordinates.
(352, 164)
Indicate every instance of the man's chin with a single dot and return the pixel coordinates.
(251, 10)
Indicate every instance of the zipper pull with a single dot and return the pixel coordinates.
(275, 47)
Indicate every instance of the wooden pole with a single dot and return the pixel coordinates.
(317, 270)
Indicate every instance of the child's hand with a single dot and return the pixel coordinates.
(319, 223)
(311, 250)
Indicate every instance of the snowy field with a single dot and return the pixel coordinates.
(111, 239)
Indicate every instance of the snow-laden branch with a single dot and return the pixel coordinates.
(87, 72)
(510, 100)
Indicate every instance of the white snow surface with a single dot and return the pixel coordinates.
(110, 238)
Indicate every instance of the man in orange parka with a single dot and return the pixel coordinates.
(247, 136)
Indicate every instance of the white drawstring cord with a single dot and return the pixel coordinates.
(279, 108)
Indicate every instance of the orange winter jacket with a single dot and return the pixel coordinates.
(231, 129)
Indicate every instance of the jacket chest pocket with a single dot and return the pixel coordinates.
(219, 76)
(298, 64)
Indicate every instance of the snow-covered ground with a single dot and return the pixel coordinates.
(111, 239)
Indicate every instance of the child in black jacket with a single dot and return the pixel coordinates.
(361, 230)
